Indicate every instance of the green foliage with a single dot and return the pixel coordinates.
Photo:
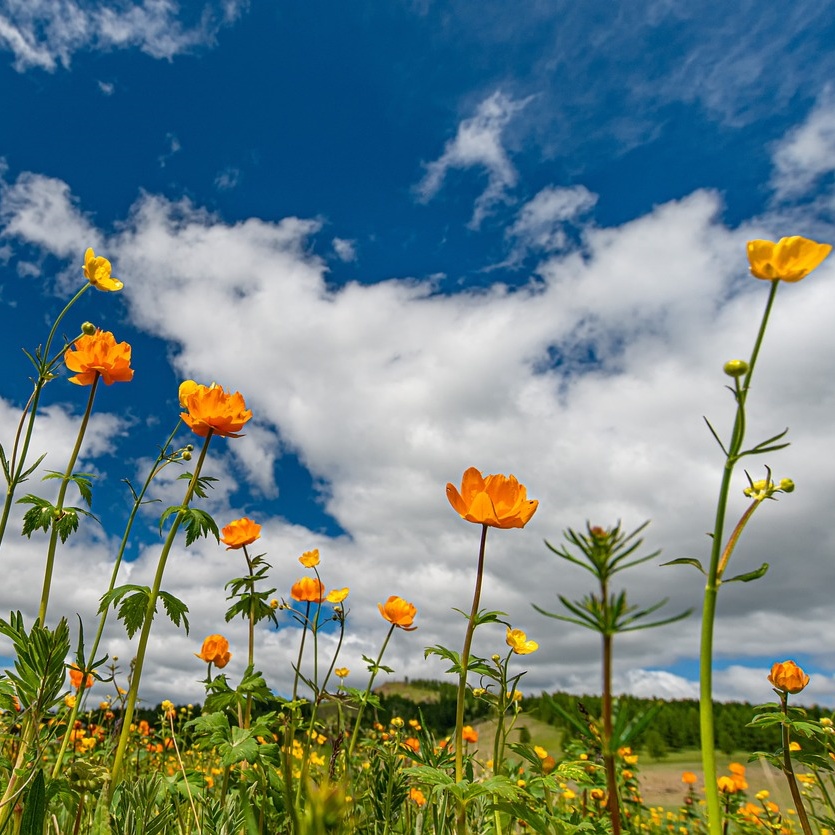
(196, 522)
(133, 603)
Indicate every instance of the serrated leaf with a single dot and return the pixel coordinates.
(198, 523)
(132, 610)
(175, 609)
(39, 516)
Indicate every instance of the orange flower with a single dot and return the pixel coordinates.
(99, 354)
(398, 612)
(498, 501)
(790, 259)
(97, 272)
(689, 778)
(788, 677)
(310, 559)
(417, 796)
(75, 678)
(412, 744)
(727, 785)
(212, 408)
(309, 590)
(239, 533)
(469, 734)
(215, 651)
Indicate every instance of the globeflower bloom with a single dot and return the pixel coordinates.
(215, 651)
(398, 612)
(210, 408)
(308, 590)
(497, 501)
(788, 677)
(790, 259)
(99, 354)
(336, 596)
(470, 734)
(75, 678)
(518, 641)
(97, 272)
(239, 533)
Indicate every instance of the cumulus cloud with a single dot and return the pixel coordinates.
(588, 384)
(345, 250)
(46, 33)
(228, 179)
(478, 143)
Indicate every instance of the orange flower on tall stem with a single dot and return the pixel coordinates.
(99, 354)
(308, 590)
(497, 501)
(215, 650)
(239, 533)
(788, 677)
(210, 408)
(399, 612)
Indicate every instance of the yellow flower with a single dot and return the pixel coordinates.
(342, 672)
(794, 746)
(210, 408)
(788, 677)
(69, 701)
(727, 785)
(99, 354)
(518, 641)
(790, 259)
(337, 595)
(308, 590)
(763, 794)
(540, 752)
(215, 651)
(97, 272)
(498, 501)
(239, 533)
(398, 612)
(310, 559)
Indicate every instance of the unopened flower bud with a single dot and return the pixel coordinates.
(735, 368)
(88, 328)
(274, 603)
(186, 456)
(786, 485)
(496, 658)
(190, 447)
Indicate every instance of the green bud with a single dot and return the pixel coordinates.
(735, 368)
(88, 328)
(190, 447)
(786, 485)
(186, 456)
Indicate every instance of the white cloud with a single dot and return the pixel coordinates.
(345, 250)
(173, 147)
(228, 179)
(807, 153)
(108, 88)
(46, 33)
(589, 385)
(478, 143)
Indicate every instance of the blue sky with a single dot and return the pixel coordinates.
(420, 236)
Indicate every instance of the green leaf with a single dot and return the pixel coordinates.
(175, 609)
(34, 810)
(134, 603)
(198, 523)
(686, 561)
(201, 485)
(40, 515)
(751, 575)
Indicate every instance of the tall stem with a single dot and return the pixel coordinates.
(59, 504)
(130, 706)
(714, 806)
(19, 453)
(608, 753)
(788, 770)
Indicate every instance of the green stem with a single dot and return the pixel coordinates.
(462, 680)
(364, 701)
(59, 504)
(163, 459)
(719, 557)
(130, 706)
(608, 753)
(251, 648)
(16, 463)
(788, 770)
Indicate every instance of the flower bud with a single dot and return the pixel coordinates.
(88, 328)
(189, 447)
(274, 603)
(186, 456)
(788, 677)
(786, 485)
(735, 368)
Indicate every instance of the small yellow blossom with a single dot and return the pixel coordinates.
(310, 559)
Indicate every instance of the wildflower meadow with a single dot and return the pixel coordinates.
(323, 758)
